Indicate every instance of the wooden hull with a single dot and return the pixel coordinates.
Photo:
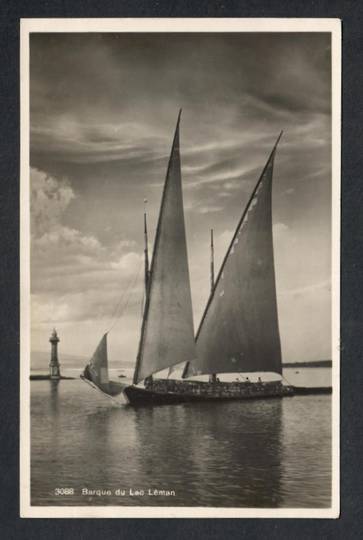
(170, 391)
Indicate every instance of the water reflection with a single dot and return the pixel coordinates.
(97, 441)
(224, 454)
(266, 453)
(306, 459)
(54, 398)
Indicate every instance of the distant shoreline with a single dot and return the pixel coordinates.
(316, 364)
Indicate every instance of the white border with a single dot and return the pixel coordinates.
(172, 25)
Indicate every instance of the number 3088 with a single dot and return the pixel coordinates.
(64, 491)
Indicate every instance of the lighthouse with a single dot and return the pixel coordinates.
(54, 366)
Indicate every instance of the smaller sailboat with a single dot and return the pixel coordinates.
(96, 373)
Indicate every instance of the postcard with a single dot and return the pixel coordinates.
(180, 255)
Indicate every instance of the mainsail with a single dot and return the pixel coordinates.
(167, 334)
(239, 329)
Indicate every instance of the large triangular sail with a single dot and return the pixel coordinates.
(167, 334)
(239, 329)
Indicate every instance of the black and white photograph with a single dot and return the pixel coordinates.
(180, 186)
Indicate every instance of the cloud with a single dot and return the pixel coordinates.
(73, 276)
(49, 199)
(51, 311)
(77, 142)
(70, 238)
(129, 262)
(206, 209)
(313, 288)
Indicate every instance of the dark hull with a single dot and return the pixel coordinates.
(169, 392)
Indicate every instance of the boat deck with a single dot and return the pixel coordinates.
(171, 391)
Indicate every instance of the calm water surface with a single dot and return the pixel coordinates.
(268, 453)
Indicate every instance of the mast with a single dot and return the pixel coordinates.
(239, 330)
(146, 257)
(212, 376)
(211, 261)
(146, 251)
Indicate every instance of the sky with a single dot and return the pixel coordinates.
(103, 109)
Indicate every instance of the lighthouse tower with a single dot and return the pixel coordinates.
(54, 366)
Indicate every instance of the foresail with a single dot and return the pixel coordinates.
(96, 372)
(239, 329)
(167, 335)
(97, 369)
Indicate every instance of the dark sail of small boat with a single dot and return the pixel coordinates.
(239, 329)
(96, 372)
(167, 334)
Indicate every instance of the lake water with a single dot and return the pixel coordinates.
(263, 453)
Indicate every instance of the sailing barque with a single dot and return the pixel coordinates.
(239, 330)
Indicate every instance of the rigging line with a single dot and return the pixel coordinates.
(128, 299)
(123, 295)
(129, 290)
(288, 382)
(130, 285)
(124, 307)
(127, 303)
